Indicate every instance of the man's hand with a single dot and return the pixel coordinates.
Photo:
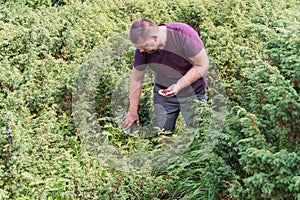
(135, 89)
(169, 92)
(129, 119)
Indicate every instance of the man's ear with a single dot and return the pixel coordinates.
(155, 37)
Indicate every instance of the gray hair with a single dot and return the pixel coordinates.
(142, 29)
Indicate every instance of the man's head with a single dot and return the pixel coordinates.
(144, 34)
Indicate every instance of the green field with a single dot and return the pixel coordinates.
(64, 68)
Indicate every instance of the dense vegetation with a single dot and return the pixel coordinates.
(55, 52)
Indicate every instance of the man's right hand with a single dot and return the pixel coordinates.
(129, 119)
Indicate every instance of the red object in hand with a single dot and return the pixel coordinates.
(165, 91)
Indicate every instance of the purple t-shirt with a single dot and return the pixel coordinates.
(172, 62)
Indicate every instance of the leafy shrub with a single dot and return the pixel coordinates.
(282, 52)
(43, 48)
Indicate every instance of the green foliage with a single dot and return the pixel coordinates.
(265, 104)
(274, 175)
(283, 51)
(44, 46)
(274, 102)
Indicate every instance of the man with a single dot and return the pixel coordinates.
(176, 54)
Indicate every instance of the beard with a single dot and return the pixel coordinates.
(151, 51)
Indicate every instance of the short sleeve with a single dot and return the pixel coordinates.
(140, 60)
(191, 42)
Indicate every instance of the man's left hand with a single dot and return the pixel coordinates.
(169, 92)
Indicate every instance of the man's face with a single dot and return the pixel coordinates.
(149, 46)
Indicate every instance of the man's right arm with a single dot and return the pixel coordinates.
(135, 90)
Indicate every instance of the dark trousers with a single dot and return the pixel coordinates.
(167, 109)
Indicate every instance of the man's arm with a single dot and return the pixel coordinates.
(135, 90)
(201, 65)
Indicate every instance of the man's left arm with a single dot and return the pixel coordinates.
(201, 65)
